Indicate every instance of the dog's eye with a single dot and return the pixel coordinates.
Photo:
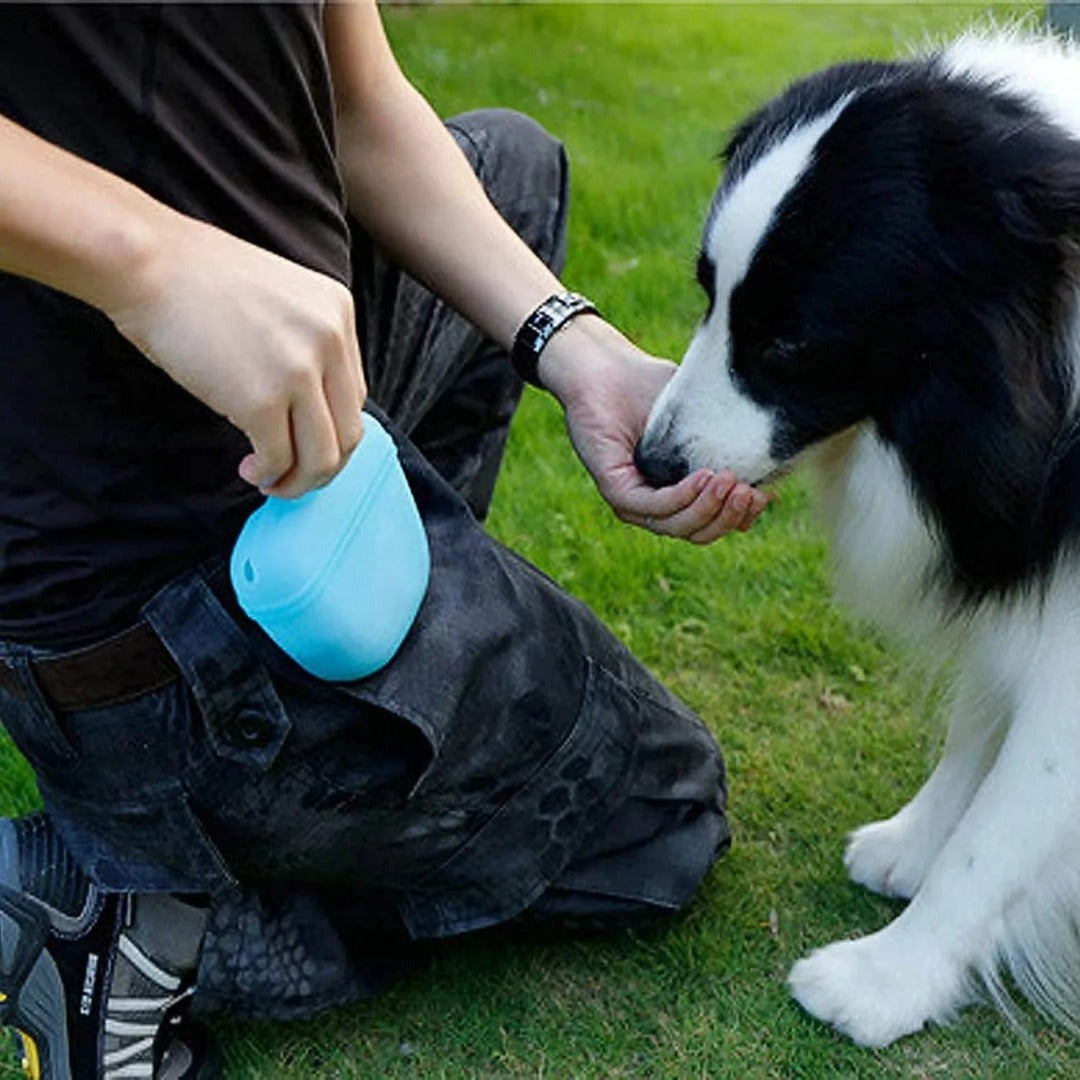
(780, 353)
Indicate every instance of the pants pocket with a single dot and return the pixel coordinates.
(110, 778)
(530, 839)
(151, 842)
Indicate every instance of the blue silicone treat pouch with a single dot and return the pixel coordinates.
(336, 576)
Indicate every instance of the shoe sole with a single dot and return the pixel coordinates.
(33, 992)
(33, 996)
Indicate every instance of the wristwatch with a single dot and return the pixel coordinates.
(539, 328)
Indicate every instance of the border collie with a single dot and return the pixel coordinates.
(892, 269)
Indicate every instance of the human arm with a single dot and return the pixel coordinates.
(264, 342)
(413, 191)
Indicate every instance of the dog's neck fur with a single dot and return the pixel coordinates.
(887, 560)
(1037, 68)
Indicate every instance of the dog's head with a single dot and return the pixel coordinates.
(880, 231)
(892, 244)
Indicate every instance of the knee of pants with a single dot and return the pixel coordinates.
(525, 174)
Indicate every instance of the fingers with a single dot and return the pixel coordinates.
(739, 512)
(323, 426)
(270, 434)
(720, 506)
(345, 392)
(317, 452)
(635, 500)
(712, 500)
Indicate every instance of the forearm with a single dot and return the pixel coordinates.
(69, 224)
(411, 187)
(265, 342)
(414, 191)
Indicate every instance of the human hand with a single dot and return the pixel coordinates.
(266, 343)
(607, 387)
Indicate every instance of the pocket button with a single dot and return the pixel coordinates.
(251, 729)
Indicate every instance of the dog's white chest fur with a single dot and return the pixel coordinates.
(885, 555)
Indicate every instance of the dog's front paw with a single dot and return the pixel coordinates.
(890, 857)
(874, 992)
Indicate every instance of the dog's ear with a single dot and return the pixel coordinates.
(990, 153)
(985, 439)
(1002, 190)
(1041, 204)
(1003, 184)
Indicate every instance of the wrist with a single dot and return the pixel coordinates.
(125, 258)
(572, 358)
(540, 326)
(68, 223)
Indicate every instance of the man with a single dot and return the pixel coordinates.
(182, 301)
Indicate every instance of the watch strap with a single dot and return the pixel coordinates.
(539, 328)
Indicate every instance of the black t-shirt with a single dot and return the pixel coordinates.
(112, 478)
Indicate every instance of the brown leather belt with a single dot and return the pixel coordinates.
(117, 669)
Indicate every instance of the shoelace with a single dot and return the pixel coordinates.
(135, 1021)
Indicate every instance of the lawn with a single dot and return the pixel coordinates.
(823, 724)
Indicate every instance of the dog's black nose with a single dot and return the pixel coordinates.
(660, 466)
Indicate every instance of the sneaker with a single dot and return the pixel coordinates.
(96, 984)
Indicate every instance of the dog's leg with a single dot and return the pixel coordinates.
(1007, 867)
(892, 857)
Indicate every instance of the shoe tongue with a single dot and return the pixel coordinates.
(169, 931)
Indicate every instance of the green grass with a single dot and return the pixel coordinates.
(823, 725)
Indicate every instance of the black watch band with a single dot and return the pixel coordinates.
(538, 329)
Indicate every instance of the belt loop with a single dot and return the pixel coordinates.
(28, 718)
(244, 715)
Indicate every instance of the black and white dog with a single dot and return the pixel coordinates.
(892, 266)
